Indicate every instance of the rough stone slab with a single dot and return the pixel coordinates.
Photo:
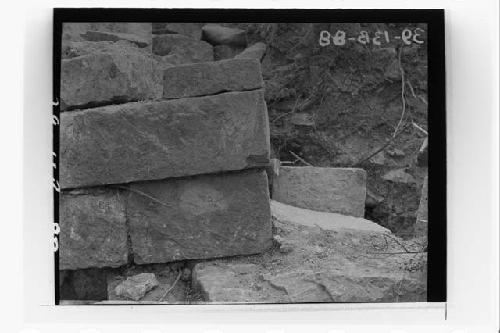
(256, 51)
(217, 35)
(102, 78)
(210, 78)
(319, 265)
(336, 190)
(93, 229)
(99, 36)
(324, 220)
(179, 49)
(166, 275)
(192, 30)
(155, 140)
(200, 217)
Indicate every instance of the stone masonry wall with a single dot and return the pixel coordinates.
(162, 149)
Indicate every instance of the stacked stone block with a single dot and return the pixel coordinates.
(161, 159)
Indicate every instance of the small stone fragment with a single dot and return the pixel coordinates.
(135, 287)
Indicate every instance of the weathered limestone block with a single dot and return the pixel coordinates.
(256, 51)
(93, 229)
(155, 140)
(217, 35)
(336, 190)
(210, 78)
(192, 30)
(114, 76)
(179, 49)
(200, 217)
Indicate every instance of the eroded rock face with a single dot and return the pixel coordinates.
(210, 78)
(117, 75)
(155, 140)
(219, 35)
(333, 264)
(93, 229)
(179, 49)
(336, 190)
(200, 217)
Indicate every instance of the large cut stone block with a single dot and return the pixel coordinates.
(155, 140)
(210, 78)
(336, 190)
(199, 217)
(93, 229)
(116, 76)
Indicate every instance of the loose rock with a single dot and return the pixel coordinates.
(338, 190)
(135, 287)
(156, 140)
(334, 265)
(217, 35)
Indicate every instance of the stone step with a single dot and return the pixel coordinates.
(210, 78)
(199, 217)
(336, 190)
(155, 140)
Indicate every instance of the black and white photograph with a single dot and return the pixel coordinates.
(249, 162)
